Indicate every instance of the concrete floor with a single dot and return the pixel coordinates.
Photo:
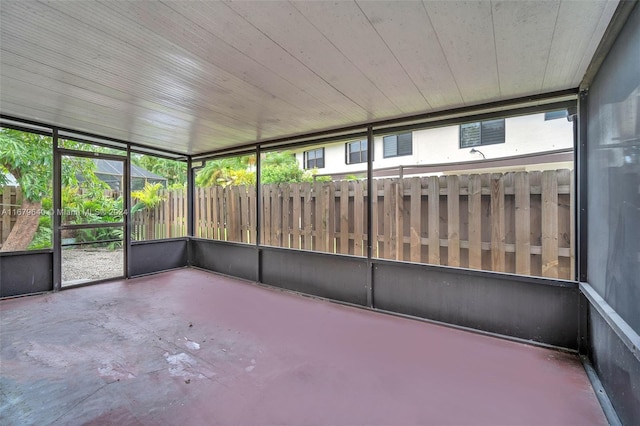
(192, 348)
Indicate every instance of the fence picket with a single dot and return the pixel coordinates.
(320, 211)
(523, 223)
(213, 208)
(374, 220)
(296, 219)
(399, 228)
(358, 218)
(415, 204)
(434, 219)
(549, 224)
(475, 222)
(389, 219)
(308, 216)
(344, 217)
(497, 223)
(453, 220)
(286, 213)
(329, 207)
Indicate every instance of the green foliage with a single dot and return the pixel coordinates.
(174, 171)
(148, 197)
(280, 173)
(282, 167)
(101, 234)
(28, 157)
(354, 177)
(227, 171)
(44, 235)
(323, 179)
(277, 167)
(176, 186)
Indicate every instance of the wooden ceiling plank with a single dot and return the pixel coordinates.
(171, 80)
(221, 22)
(182, 32)
(523, 33)
(26, 68)
(310, 47)
(465, 31)
(417, 49)
(348, 29)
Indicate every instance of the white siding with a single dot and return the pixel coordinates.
(523, 135)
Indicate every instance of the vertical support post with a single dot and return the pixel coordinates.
(581, 180)
(370, 194)
(57, 206)
(190, 197)
(126, 187)
(580, 214)
(258, 215)
(191, 188)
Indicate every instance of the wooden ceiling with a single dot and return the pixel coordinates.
(193, 77)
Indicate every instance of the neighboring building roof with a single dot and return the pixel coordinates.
(114, 168)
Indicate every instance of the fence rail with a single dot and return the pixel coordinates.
(517, 222)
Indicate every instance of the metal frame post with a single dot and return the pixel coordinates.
(126, 179)
(57, 206)
(581, 180)
(258, 216)
(370, 195)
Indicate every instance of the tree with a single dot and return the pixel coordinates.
(227, 171)
(277, 167)
(148, 198)
(28, 157)
(282, 167)
(174, 171)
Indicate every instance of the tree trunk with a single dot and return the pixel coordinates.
(25, 227)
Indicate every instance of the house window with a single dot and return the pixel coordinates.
(397, 145)
(356, 152)
(553, 115)
(482, 133)
(314, 159)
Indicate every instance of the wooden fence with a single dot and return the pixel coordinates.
(167, 220)
(518, 222)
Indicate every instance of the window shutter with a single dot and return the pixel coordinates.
(492, 132)
(390, 146)
(469, 135)
(405, 144)
(319, 158)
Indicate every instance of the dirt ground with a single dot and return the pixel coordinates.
(80, 265)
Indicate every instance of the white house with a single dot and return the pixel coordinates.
(534, 142)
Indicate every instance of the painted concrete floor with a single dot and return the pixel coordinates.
(192, 348)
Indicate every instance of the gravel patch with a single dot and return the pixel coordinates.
(82, 265)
